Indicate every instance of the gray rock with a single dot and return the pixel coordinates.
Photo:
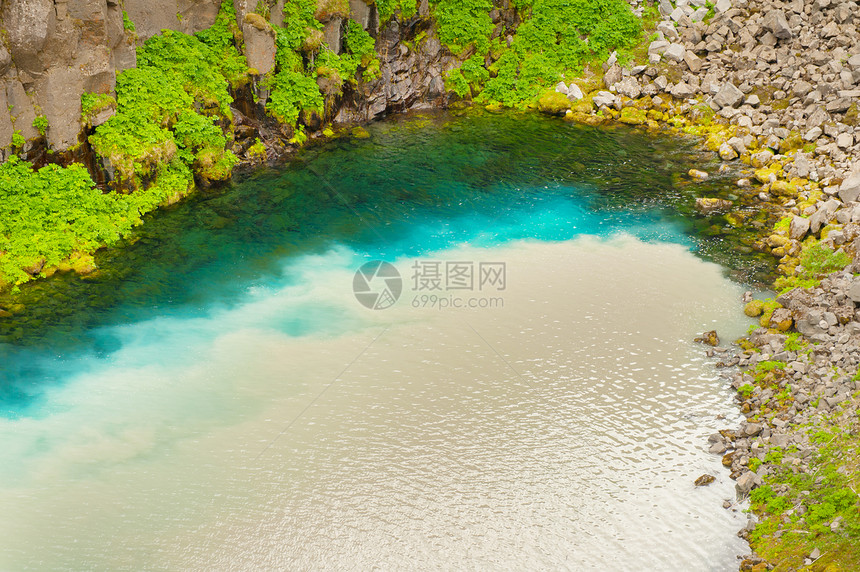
(813, 134)
(693, 61)
(574, 93)
(777, 24)
(729, 95)
(854, 291)
(657, 47)
(665, 8)
(798, 228)
(260, 44)
(613, 75)
(823, 215)
(628, 87)
(817, 118)
(668, 31)
(682, 91)
(746, 483)
(675, 53)
(604, 98)
(849, 190)
(561, 87)
(844, 140)
(722, 6)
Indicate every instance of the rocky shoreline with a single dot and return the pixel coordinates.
(774, 86)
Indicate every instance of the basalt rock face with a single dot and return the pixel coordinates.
(410, 77)
(55, 50)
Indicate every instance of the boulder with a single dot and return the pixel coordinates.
(574, 93)
(602, 98)
(776, 23)
(727, 152)
(746, 483)
(657, 47)
(729, 96)
(849, 190)
(798, 228)
(682, 91)
(693, 61)
(612, 76)
(675, 53)
(628, 87)
(823, 215)
(854, 291)
(710, 205)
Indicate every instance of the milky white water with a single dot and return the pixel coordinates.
(299, 430)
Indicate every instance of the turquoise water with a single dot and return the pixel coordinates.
(417, 185)
(215, 396)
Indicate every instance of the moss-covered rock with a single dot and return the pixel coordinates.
(553, 103)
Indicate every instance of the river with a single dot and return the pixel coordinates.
(219, 397)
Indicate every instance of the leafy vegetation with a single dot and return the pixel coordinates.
(797, 508)
(387, 8)
(47, 215)
(816, 261)
(40, 124)
(127, 24)
(93, 103)
(302, 57)
(559, 37)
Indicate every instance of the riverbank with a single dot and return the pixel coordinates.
(775, 87)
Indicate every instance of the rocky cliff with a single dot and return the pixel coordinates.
(53, 51)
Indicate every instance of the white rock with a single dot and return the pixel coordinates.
(844, 140)
(675, 53)
(561, 87)
(813, 134)
(574, 93)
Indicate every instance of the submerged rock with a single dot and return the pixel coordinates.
(710, 205)
(704, 480)
(709, 338)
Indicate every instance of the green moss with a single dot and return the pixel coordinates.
(633, 116)
(754, 308)
(257, 151)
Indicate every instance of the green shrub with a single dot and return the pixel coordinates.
(556, 36)
(40, 124)
(464, 23)
(127, 24)
(292, 93)
(18, 140)
(48, 214)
